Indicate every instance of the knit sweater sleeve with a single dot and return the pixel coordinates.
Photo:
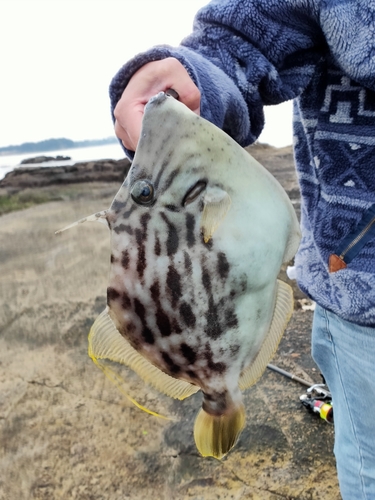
(243, 55)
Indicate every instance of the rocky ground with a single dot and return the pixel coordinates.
(32, 177)
(67, 433)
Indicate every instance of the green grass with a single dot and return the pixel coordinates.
(103, 192)
(20, 201)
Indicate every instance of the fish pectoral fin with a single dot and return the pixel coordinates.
(292, 244)
(216, 205)
(281, 316)
(106, 342)
(98, 217)
(214, 435)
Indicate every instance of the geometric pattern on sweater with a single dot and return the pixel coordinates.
(335, 159)
(337, 165)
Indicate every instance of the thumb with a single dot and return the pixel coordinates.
(152, 78)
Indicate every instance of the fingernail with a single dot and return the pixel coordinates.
(172, 93)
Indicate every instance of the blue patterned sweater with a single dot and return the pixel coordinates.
(244, 54)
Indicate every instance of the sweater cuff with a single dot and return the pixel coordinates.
(221, 101)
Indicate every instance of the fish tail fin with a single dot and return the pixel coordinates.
(215, 435)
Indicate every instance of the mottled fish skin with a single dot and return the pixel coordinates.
(198, 311)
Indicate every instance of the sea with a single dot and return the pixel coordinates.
(108, 152)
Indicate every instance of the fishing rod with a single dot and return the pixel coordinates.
(317, 398)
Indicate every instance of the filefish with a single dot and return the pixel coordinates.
(199, 231)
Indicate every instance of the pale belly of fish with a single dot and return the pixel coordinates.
(199, 231)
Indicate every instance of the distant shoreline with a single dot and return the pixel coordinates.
(53, 145)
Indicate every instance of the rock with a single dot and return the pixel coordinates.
(278, 160)
(43, 159)
(92, 171)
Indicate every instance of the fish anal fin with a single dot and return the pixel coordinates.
(106, 342)
(216, 205)
(118, 382)
(281, 316)
(214, 435)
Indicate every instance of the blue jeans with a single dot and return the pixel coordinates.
(345, 354)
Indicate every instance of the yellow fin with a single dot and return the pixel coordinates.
(106, 342)
(216, 435)
(216, 205)
(98, 217)
(281, 316)
(117, 381)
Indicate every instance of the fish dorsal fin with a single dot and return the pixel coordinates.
(106, 342)
(281, 316)
(98, 217)
(216, 205)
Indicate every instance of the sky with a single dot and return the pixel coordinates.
(58, 57)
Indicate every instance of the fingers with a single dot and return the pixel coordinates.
(154, 77)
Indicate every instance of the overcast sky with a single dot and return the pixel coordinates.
(58, 57)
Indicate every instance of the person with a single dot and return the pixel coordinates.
(241, 56)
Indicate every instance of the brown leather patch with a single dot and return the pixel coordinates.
(335, 263)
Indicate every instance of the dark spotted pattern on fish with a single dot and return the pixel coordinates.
(125, 301)
(174, 285)
(112, 294)
(188, 263)
(125, 259)
(117, 206)
(140, 310)
(222, 265)
(123, 227)
(163, 166)
(172, 367)
(187, 315)
(190, 229)
(181, 292)
(218, 400)
(163, 323)
(172, 208)
(172, 176)
(141, 237)
(161, 297)
(198, 236)
(216, 367)
(128, 213)
(157, 247)
(172, 236)
(189, 353)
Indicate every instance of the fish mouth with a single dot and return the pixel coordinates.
(193, 193)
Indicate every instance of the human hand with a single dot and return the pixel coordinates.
(153, 77)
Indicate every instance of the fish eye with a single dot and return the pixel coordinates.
(194, 192)
(143, 192)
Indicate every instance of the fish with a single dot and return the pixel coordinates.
(199, 231)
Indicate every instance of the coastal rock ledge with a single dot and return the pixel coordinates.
(92, 171)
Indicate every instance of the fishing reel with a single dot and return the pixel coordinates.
(318, 399)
